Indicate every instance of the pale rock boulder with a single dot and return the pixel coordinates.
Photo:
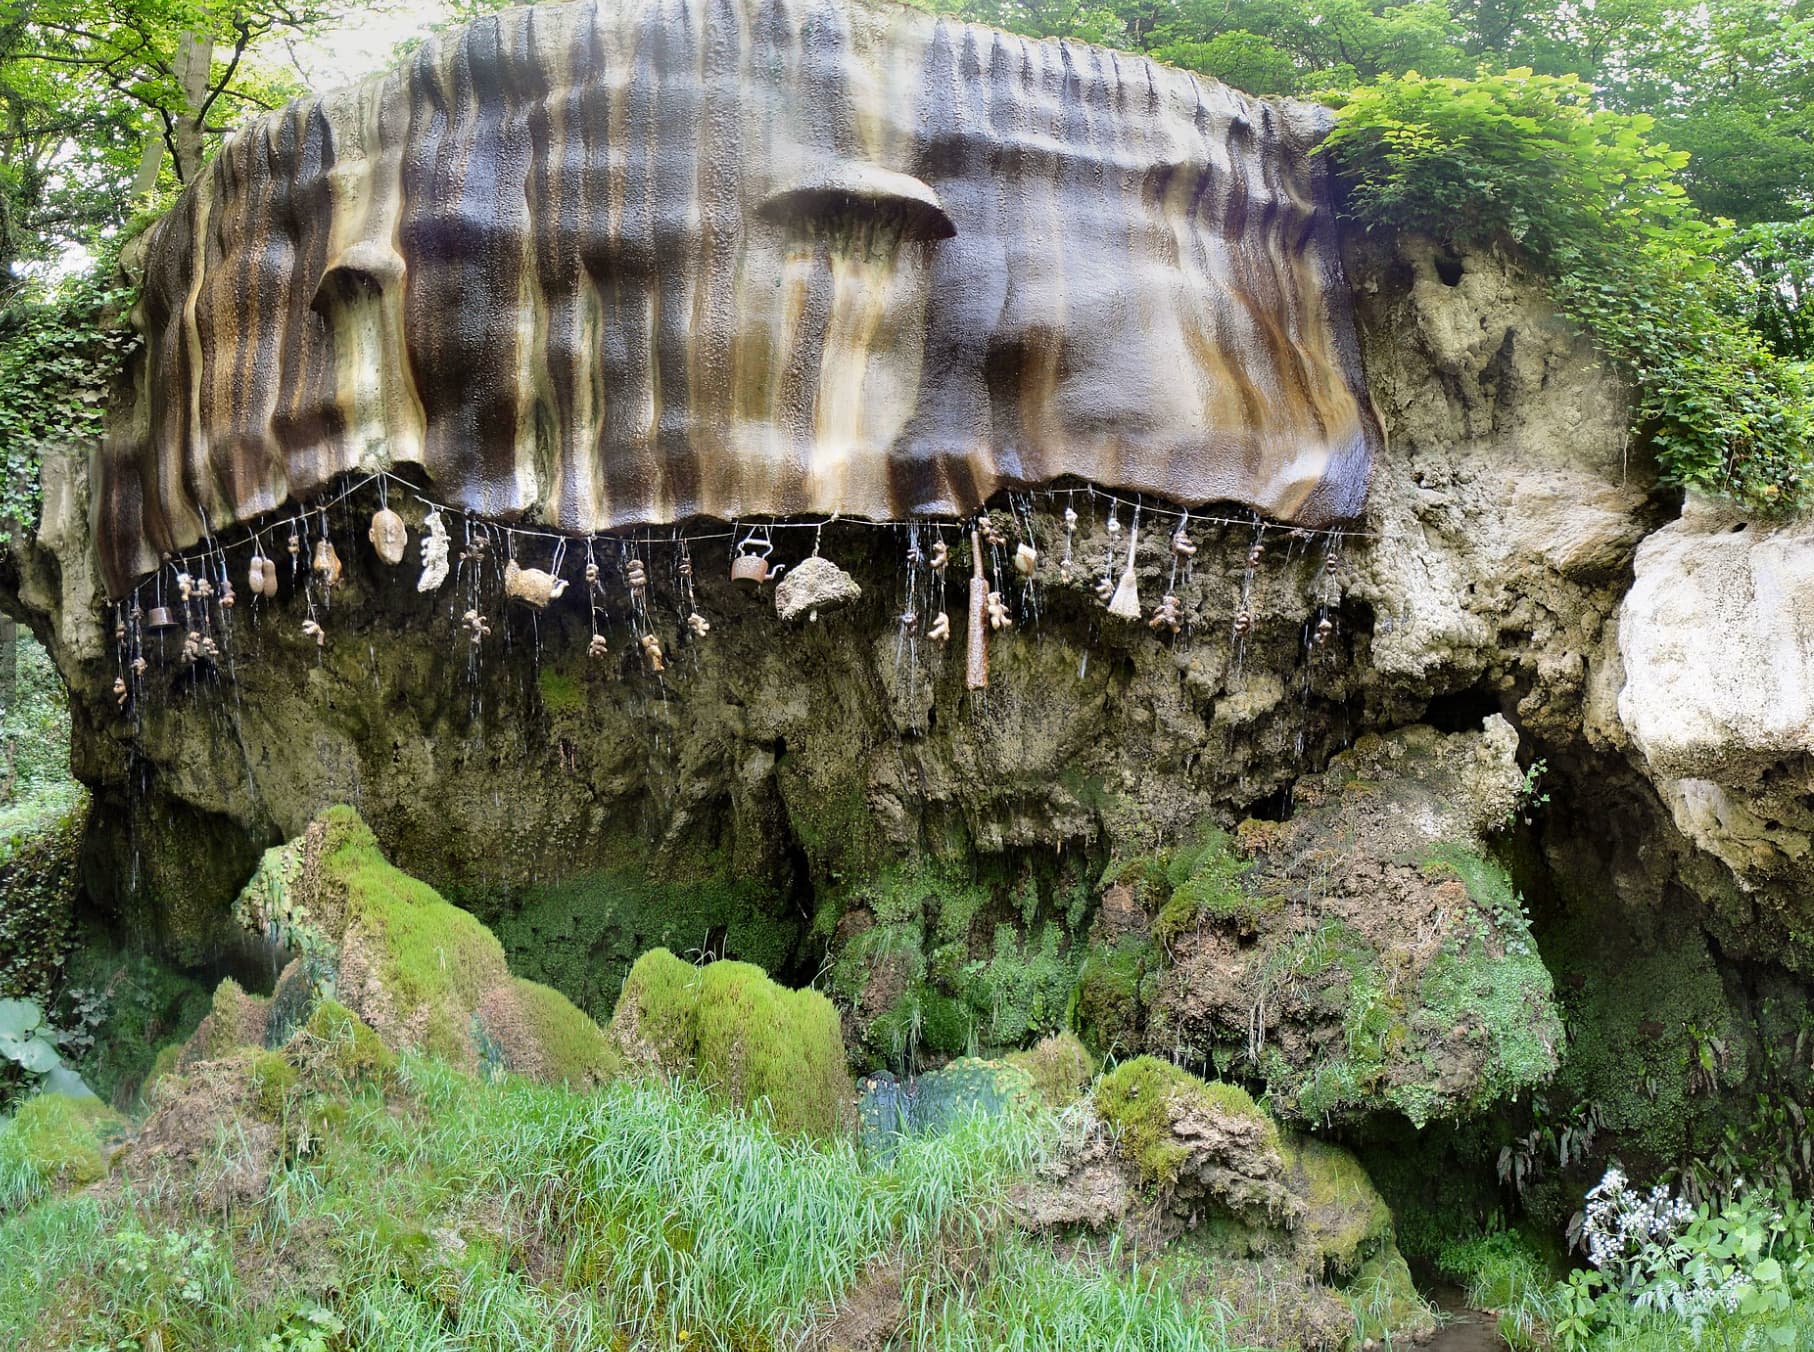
(1715, 648)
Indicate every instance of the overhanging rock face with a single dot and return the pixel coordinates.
(627, 263)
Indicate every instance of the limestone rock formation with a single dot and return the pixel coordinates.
(635, 262)
(1709, 684)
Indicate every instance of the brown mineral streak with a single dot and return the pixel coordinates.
(620, 264)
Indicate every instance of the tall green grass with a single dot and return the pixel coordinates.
(444, 1212)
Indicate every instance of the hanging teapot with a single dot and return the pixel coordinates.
(751, 563)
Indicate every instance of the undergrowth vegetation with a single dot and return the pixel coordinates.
(419, 1207)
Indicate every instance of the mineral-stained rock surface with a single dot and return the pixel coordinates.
(637, 261)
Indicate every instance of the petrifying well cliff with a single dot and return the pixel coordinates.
(605, 265)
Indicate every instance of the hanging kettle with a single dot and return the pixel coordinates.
(750, 564)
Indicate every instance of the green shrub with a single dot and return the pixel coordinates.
(655, 1019)
(1597, 206)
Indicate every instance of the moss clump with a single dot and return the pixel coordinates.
(428, 953)
(760, 1041)
(741, 1034)
(1140, 1098)
(54, 1140)
(562, 1045)
(234, 1020)
(1108, 1008)
(1060, 1066)
(655, 1017)
(272, 1077)
(344, 1043)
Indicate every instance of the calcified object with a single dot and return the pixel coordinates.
(311, 629)
(434, 553)
(976, 655)
(750, 565)
(326, 563)
(478, 629)
(613, 265)
(227, 598)
(999, 618)
(910, 623)
(255, 575)
(814, 585)
(940, 556)
(1105, 588)
(388, 536)
(119, 691)
(1125, 602)
(1114, 526)
(532, 586)
(652, 657)
(294, 544)
(1026, 559)
(636, 575)
(698, 625)
(138, 666)
(185, 586)
(597, 647)
(1255, 554)
(591, 573)
(1167, 616)
(940, 630)
(1243, 622)
(1183, 546)
(991, 537)
(1324, 628)
(160, 618)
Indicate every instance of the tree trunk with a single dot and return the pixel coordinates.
(194, 63)
(9, 662)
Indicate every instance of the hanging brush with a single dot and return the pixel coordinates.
(1126, 601)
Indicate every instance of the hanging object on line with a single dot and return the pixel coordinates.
(750, 562)
(1124, 603)
(327, 563)
(311, 629)
(478, 629)
(999, 618)
(976, 657)
(698, 625)
(388, 536)
(597, 647)
(532, 586)
(434, 553)
(1167, 616)
(940, 629)
(652, 656)
(1026, 559)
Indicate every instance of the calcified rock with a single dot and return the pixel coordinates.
(388, 535)
(814, 585)
(634, 262)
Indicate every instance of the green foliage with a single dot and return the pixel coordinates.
(61, 348)
(1600, 208)
(31, 1057)
(1778, 258)
(1207, 889)
(131, 1004)
(1139, 1098)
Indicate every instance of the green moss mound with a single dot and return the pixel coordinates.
(53, 1141)
(343, 1042)
(743, 1035)
(38, 850)
(420, 972)
(1345, 1218)
(1140, 1098)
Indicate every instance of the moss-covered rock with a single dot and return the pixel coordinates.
(337, 1039)
(1200, 1144)
(54, 1141)
(234, 1020)
(743, 1035)
(422, 973)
